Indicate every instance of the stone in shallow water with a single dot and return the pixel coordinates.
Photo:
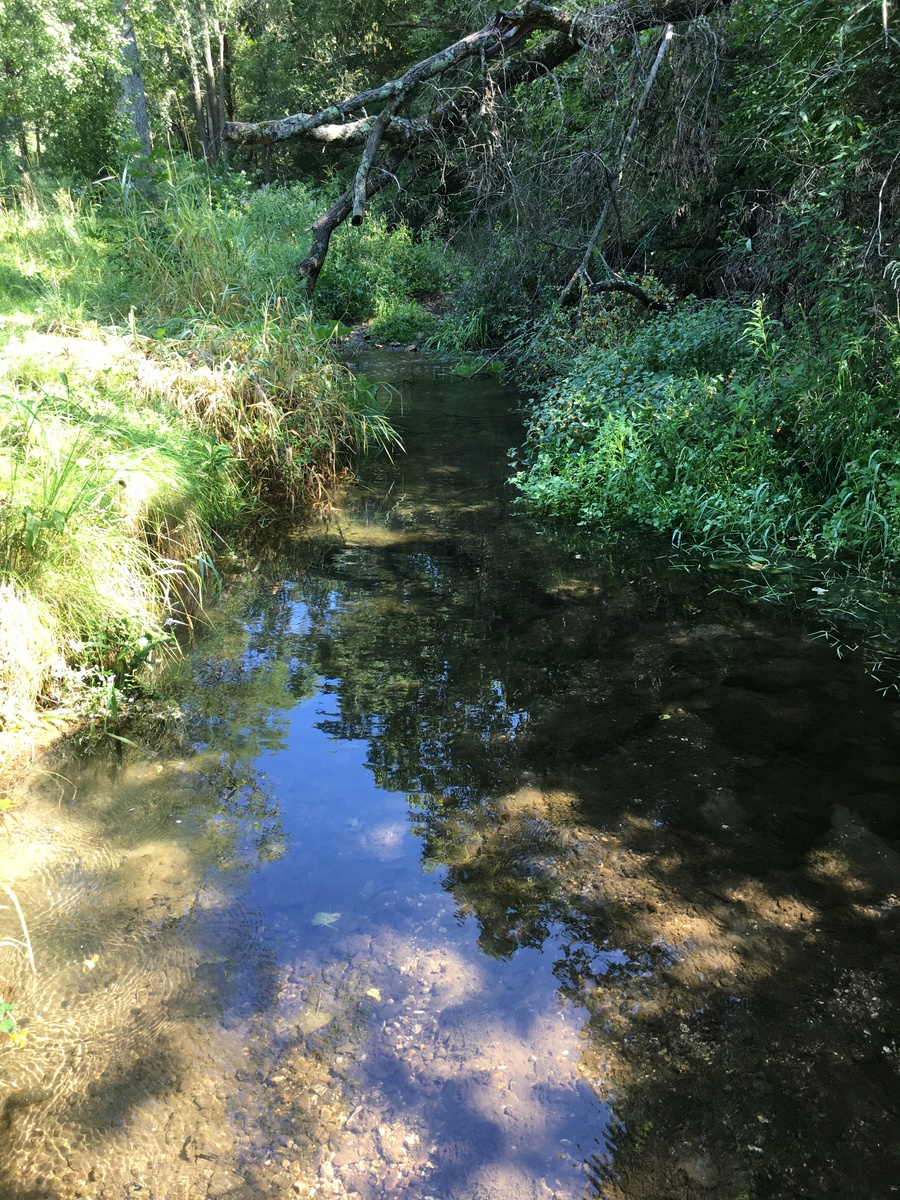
(700, 1169)
(311, 1022)
(326, 918)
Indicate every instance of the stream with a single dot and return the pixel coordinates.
(472, 864)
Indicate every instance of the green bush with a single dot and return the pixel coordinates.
(716, 426)
(374, 269)
(404, 321)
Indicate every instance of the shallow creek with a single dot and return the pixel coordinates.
(473, 866)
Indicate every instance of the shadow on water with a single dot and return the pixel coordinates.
(562, 878)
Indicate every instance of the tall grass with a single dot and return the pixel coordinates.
(236, 348)
(270, 391)
(206, 247)
(53, 259)
(161, 380)
(107, 507)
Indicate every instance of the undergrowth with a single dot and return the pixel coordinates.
(719, 426)
(109, 500)
(161, 380)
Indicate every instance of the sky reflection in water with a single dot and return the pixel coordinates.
(503, 869)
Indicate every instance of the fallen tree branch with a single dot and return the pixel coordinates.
(590, 28)
(630, 289)
(373, 141)
(500, 34)
(622, 161)
(324, 226)
(571, 29)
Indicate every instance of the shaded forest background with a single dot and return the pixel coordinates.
(765, 160)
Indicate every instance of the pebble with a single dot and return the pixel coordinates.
(700, 1170)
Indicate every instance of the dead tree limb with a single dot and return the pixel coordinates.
(501, 44)
(325, 225)
(373, 141)
(629, 289)
(622, 160)
(500, 34)
(506, 31)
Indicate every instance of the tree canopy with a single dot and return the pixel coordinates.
(724, 148)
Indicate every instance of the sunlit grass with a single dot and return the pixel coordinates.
(105, 520)
(158, 382)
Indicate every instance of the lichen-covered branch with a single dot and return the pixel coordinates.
(507, 30)
(373, 142)
(498, 36)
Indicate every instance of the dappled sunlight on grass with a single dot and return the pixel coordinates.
(126, 449)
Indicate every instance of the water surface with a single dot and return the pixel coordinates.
(473, 865)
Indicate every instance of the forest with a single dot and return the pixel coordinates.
(674, 225)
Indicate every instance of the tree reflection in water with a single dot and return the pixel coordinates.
(689, 807)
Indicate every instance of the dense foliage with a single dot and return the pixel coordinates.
(716, 423)
(746, 173)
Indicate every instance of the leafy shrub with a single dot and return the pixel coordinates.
(718, 427)
(374, 269)
(402, 322)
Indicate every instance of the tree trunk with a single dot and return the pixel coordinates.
(184, 128)
(223, 71)
(214, 120)
(196, 92)
(227, 90)
(133, 101)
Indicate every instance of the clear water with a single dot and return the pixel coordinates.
(474, 865)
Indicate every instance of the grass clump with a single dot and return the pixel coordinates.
(270, 392)
(161, 381)
(216, 247)
(108, 502)
(718, 426)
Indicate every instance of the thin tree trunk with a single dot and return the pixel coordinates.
(196, 93)
(183, 126)
(133, 102)
(225, 62)
(213, 119)
(223, 73)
